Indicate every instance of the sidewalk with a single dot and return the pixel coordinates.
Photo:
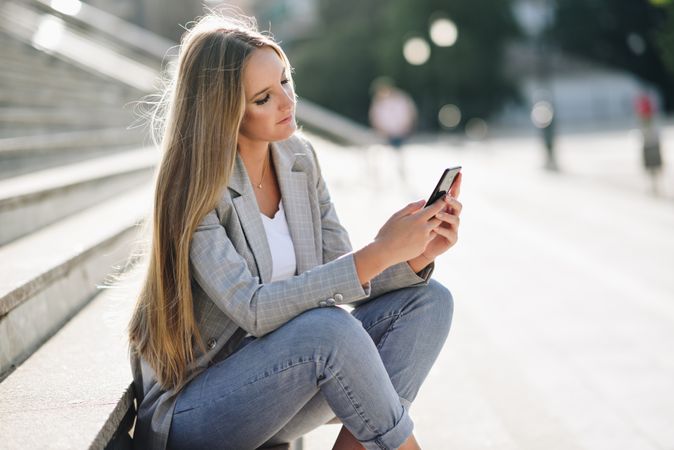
(563, 331)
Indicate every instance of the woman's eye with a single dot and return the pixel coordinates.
(263, 100)
(284, 81)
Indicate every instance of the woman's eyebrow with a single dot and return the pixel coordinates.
(262, 91)
(283, 71)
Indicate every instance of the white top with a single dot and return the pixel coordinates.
(281, 245)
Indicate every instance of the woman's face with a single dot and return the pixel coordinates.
(270, 99)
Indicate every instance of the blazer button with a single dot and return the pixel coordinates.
(322, 304)
(330, 302)
(212, 342)
(339, 297)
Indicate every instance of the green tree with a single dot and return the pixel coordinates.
(665, 36)
(358, 41)
(626, 35)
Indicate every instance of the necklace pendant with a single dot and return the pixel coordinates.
(259, 186)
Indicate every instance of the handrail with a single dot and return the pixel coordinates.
(119, 30)
(53, 35)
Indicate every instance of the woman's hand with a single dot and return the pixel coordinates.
(447, 234)
(414, 234)
(404, 236)
(407, 232)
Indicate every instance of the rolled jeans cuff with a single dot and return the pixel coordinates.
(395, 437)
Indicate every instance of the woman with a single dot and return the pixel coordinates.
(236, 340)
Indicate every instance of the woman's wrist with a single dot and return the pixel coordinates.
(370, 261)
(419, 263)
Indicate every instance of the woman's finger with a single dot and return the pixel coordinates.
(431, 210)
(447, 233)
(410, 208)
(433, 223)
(455, 206)
(455, 190)
(451, 219)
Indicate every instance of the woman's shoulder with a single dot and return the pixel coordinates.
(298, 148)
(297, 144)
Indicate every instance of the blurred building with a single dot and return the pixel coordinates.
(583, 92)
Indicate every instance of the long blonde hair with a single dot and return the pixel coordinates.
(199, 116)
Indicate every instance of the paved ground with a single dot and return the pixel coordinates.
(563, 334)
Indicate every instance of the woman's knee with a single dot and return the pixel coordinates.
(331, 326)
(441, 301)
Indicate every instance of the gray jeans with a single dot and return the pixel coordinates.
(365, 368)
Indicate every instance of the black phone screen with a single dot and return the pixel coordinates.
(445, 183)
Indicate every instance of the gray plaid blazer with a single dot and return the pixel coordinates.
(231, 269)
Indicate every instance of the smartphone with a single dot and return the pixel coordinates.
(445, 183)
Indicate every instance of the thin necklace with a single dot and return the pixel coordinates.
(264, 169)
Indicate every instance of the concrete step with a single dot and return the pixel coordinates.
(22, 130)
(45, 145)
(24, 154)
(23, 63)
(29, 202)
(45, 71)
(56, 91)
(19, 56)
(48, 79)
(49, 275)
(28, 96)
(75, 392)
(62, 116)
(14, 51)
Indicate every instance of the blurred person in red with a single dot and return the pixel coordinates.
(645, 110)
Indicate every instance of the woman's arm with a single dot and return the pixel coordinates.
(224, 276)
(336, 243)
(370, 262)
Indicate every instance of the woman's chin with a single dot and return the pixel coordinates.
(287, 130)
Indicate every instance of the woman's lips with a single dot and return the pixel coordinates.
(286, 120)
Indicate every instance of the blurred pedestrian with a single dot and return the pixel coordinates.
(549, 142)
(393, 114)
(652, 159)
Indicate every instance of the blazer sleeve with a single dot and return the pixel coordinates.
(336, 243)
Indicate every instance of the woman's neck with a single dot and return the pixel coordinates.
(255, 157)
(254, 153)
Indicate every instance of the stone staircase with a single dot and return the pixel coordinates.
(75, 182)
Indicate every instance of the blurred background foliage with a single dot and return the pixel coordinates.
(665, 39)
(355, 42)
(634, 35)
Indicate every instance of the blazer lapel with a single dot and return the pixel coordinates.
(248, 211)
(293, 184)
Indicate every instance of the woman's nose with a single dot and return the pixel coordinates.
(288, 100)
